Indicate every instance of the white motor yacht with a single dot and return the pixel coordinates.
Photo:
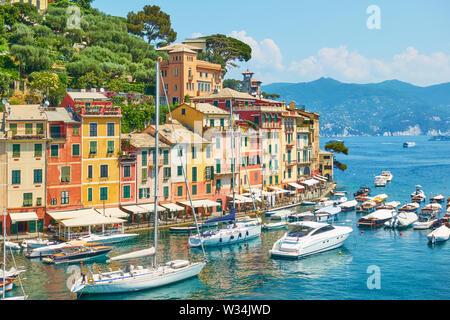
(36, 243)
(439, 234)
(327, 213)
(281, 215)
(402, 220)
(307, 237)
(387, 175)
(243, 229)
(380, 181)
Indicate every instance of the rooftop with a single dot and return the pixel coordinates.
(143, 140)
(97, 96)
(175, 132)
(208, 108)
(33, 112)
(61, 115)
(226, 93)
(179, 47)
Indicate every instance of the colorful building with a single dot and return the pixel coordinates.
(100, 132)
(63, 160)
(183, 74)
(24, 138)
(326, 164)
(40, 4)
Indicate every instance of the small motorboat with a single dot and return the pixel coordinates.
(327, 213)
(275, 226)
(281, 215)
(418, 195)
(52, 249)
(348, 205)
(411, 207)
(36, 243)
(438, 198)
(440, 234)
(301, 216)
(362, 190)
(389, 205)
(376, 219)
(193, 228)
(307, 237)
(6, 285)
(367, 206)
(325, 202)
(409, 144)
(431, 209)
(339, 193)
(308, 203)
(424, 222)
(387, 175)
(380, 198)
(12, 245)
(380, 181)
(362, 197)
(77, 254)
(402, 220)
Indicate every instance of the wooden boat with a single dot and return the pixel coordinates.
(367, 206)
(411, 207)
(438, 198)
(418, 195)
(376, 219)
(431, 209)
(362, 197)
(348, 205)
(6, 284)
(76, 254)
(380, 198)
(389, 205)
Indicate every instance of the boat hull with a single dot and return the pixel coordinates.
(226, 238)
(138, 282)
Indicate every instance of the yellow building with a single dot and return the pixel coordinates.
(100, 134)
(326, 163)
(40, 4)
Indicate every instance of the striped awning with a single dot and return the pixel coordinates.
(296, 185)
(320, 178)
(278, 190)
(23, 216)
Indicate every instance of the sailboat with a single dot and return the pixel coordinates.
(136, 278)
(7, 279)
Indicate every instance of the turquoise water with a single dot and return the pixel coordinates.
(409, 267)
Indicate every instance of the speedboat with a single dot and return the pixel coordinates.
(424, 222)
(308, 203)
(438, 198)
(409, 144)
(411, 207)
(402, 220)
(389, 205)
(77, 254)
(193, 228)
(418, 195)
(275, 226)
(387, 175)
(362, 190)
(36, 243)
(362, 197)
(308, 237)
(348, 205)
(301, 216)
(327, 213)
(12, 245)
(367, 206)
(281, 215)
(6, 285)
(108, 238)
(380, 198)
(243, 229)
(325, 202)
(440, 234)
(339, 193)
(380, 181)
(52, 249)
(376, 219)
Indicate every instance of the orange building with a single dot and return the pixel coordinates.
(63, 160)
(184, 75)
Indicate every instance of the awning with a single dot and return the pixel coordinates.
(240, 198)
(135, 209)
(62, 215)
(320, 178)
(296, 185)
(278, 190)
(310, 182)
(23, 216)
(112, 212)
(90, 220)
(150, 207)
(260, 192)
(200, 203)
(172, 206)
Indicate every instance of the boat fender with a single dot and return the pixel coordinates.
(91, 281)
(231, 238)
(246, 233)
(240, 235)
(220, 240)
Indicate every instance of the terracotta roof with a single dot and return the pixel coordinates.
(178, 46)
(175, 132)
(226, 93)
(143, 140)
(208, 108)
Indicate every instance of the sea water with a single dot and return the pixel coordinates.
(373, 264)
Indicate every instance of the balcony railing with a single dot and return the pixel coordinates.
(99, 110)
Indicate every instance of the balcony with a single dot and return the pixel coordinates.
(289, 163)
(99, 110)
(160, 163)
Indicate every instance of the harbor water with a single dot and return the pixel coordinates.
(402, 263)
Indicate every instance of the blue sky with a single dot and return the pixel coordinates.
(295, 40)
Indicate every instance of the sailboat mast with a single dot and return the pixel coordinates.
(4, 253)
(156, 159)
(232, 155)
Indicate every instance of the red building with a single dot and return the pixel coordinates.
(63, 160)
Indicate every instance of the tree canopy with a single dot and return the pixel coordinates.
(225, 51)
(153, 24)
(338, 147)
(232, 84)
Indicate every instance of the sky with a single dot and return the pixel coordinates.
(296, 41)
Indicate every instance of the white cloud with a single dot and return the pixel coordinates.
(350, 66)
(265, 54)
(196, 35)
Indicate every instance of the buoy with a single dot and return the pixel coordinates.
(340, 253)
(362, 231)
(401, 233)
